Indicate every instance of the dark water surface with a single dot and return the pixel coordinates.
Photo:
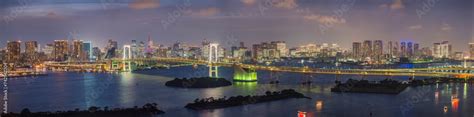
(68, 91)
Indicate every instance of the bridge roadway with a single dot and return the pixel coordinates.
(432, 72)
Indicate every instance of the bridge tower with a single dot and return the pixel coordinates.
(213, 58)
(127, 55)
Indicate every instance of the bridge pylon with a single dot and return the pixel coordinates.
(213, 58)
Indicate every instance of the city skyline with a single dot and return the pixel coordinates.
(251, 21)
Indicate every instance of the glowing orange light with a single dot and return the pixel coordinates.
(319, 105)
(301, 114)
(455, 103)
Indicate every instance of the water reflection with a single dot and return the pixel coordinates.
(319, 105)
(127, 91)
(90, 91)
(247, 86)
(454, 103)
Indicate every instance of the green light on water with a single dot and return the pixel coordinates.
(247, 86)
(245, 75)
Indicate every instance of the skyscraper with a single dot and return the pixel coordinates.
(446, 49)
(77, 50)
(471, 50)
(356, 50)
(403, 49)
(31, 49)
(111, 49)
(416, 49)
(281, 48)
(395, 49)
(87, 49)
(437, 50)
(378, 50)
(13, 52)
(61, 49)
(409, 49)
(367, 48)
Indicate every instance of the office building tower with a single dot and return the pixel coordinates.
(61, 50)
(13, 52)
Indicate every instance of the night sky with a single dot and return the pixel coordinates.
(230, 21)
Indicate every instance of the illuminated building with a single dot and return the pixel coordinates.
(442, 50)
(61, 50)
(471, 50)
(409, 49)
(77, 50)
(395, 50)
(416, 49)
(87, 50)
(367, 48)
(111, 49)
(378, 50)
(96, 53)
(281, 47)
(403, 49)
(13, 52)
(356, 50)
(268, 51)
(31, 51)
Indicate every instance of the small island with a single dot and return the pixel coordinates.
(439, 80)
(203, 82)
(211, 103)
(387, 86)
(148, 110)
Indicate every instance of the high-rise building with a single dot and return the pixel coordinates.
(111, 49)
(96, 54)
(395, 50)
(367, 48)
(61, 49)
(77, 50)
(87, 49)
(281, 48)
(416, 49)
(471, 50)
(409, 49)
(356, 50)
(31, 52)
(13, 52)
(403, 49)
(437, 50)
(442, 50)
(446, 49)
(378, 50)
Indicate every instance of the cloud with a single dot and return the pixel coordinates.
(248, 2)
(144, 4)
(325, 19)
(415, 27)
(206, 12)
(287, 4)
(395, 5)
(446, 27)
